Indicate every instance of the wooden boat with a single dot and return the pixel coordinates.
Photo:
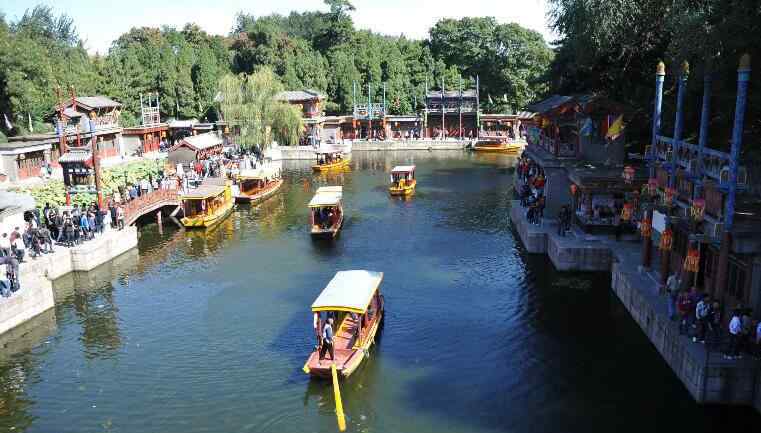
(207, 205)
(330, 159)
(326, 214)
(257, 185)
(496, 146)
(353, 298)
(403, 180)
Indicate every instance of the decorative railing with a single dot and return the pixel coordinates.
(134, 209)
(688, 156)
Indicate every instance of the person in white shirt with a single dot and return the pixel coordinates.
(18, 248)
(5, 245)
(735, 333)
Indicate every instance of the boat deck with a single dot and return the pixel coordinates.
(344, 350)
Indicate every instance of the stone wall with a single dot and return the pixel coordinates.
(305, 152)
(36, 294)
(707, 377)
(534, 238)
(570, 255)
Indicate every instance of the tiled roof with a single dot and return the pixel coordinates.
(433, 94)
(548, 104)
(300, 95)
(97, 102)
(75, 155)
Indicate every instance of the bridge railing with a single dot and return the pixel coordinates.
(134, 209)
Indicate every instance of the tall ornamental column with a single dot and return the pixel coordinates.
(743, 77)
(647, 244)
(705, 116)
(679, 123)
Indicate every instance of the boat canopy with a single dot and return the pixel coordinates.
(403, 169)
(261, 173)
(349, 291)
(327, 196)
(204, 191)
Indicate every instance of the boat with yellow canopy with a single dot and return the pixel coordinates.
(207, 205)
(496, 146)
(258, 184)
(326, 214)
(403, 180)
(353, 300)
(329, 158)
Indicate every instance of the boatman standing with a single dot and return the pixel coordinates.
(327, 340)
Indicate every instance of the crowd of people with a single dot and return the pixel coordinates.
(701, 318)
(531, 191)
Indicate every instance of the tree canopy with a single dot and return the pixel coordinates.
(318, 50)
(613, 46)
(250, 107)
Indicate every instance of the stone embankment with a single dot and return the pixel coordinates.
(36, 275)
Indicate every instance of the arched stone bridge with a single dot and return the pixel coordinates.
(149, 203)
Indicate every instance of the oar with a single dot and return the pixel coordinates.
(339, 405)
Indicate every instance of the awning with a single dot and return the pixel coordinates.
(83, 156)
(204, 191)
(327, 196)
(349, 291)
(403, 169)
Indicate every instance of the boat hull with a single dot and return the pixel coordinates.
(328, 233)
(260, 195)
(506, 148)
(333, 166)
(402, 191)
(347, 360)
(207, 221)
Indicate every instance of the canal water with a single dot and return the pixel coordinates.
(208, 331)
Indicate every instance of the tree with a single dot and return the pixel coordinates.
(511, 61)
(250, 106)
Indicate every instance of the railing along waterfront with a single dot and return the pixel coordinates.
(138, 207)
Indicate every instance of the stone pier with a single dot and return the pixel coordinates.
(36, 275)
(708, 377)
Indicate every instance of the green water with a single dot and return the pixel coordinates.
(208, 331)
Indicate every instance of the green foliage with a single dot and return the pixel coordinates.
(511, 61)
(613, 46)
(250, 106)
(54, 192)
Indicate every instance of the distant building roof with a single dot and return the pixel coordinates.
(300, 95)
(469, 93)
(75, 155)
(201, 141)
(181, 123)
(549, 104)
(94, 102)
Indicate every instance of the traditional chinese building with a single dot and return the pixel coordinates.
(450, 113)
(702, 221)
(578, 143)
(196, 148)
(151, 133)
(76, 122)
(311, 103)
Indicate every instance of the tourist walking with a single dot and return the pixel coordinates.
(701, 315)
(672, 292)
(735, 334)
(5, 245)
(120, 217)
(683, 307)
(18, 248)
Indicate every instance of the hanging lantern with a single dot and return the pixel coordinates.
(574, 188)
(668, 196)
(698, 209)
(652, 186)
(667, 240)
(692, 261)
(226, 130)
(628, 174)
(163, 134)
(626, 212)
(646, 228)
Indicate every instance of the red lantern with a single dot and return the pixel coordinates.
(692, 261)
(698, 209)
(667, 239)
(574, 188)
(626, 212)
(646, 228)
(668, 196)
(628, 174)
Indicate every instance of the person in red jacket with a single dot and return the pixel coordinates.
(684, 306)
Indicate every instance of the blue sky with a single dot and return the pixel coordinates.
(101, 21)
